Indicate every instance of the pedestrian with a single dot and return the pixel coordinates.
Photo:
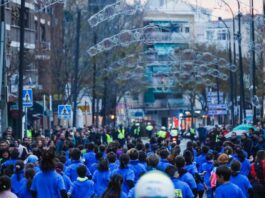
(17, 178)
(101, 177)
(240, 180)
(206, 171)
(90, 156)
(82, 187)
(48, 183)
(202, 132)
(24, 189)
(5, 187)
(114, 189)
(127, 173)
(257, 174)
(66, 179)
(135, 165)
(163, 162)
(226, 188)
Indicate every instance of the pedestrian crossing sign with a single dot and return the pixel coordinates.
(27, 98)
(64, 111)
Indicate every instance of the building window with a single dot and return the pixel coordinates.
(15, 17)
(36, 30)
(187, 29)
(222, 34)
(209, 35)
(43, 32)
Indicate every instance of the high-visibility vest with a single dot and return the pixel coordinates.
(121, 134)
(149, 128)
(109, 138)
(29, 133)
(192, 131)
(162, 134)
(136, 131)
(174, 132)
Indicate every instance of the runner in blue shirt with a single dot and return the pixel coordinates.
(115, 188)
(245, 164)
(134, 164)
(71, 170)
(184, 175)
(202, 157)
(152, 162)
(226, 188)
(48, 183)
(206, 170)
(181, 188)
(112, 157)
(82, 187)
(66, 179)
(240, 180)
(17, 178)
(163, 163)
(24, 190)
(94, 166)
(101, 177)
(90, 156)
(127, 174)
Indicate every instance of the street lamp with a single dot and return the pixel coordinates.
(230, 73)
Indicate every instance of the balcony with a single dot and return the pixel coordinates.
(168, 37)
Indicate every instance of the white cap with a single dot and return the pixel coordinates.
(163, 128)
(154, 184)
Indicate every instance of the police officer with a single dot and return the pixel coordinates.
(162, 134)
(121, 134)
(192, 133)
(137, 131)
(174, 134)
(149, 129)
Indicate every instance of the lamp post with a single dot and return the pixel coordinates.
(242, 93)
(234, 52)
(230, 73)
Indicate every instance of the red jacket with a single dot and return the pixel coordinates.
(253, 172)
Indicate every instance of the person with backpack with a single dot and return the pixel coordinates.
(257, 174)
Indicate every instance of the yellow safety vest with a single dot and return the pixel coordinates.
(192, 131)
(109, 138)
(136, 131)
(162, 134)
(149, 128)
(29, 134)
(174, 132)
(121, 134)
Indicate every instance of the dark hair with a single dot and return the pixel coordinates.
(99, 156)
(209, 156)
(241, 156)
(90, 147)
(171, 170)
(139, 146)
(114, 189)
(188, 156)
(235, 166)
(47, 162)
(19, 168)
(5, 183)
(81, 171)
(223, 172)
(260, 155)
(133, 153)
(59, 167)
(205, 149)
(180, 161)
(29, 174)
(103, 165)
(142, 156)
(152, 160)
(124, 160)
(14, 154)
(75, 154)
(111, 157)
(102, 148)
(164, 153)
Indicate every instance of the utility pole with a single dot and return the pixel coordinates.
(242, 93)
(20, 69)
(77, 52)
(3, 91)
(253, 56)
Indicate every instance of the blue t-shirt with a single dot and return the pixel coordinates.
(67, 182)
(93, 168)
(113, 166)
(101, 181)
(229, 190)
(182, 189)
(200, 160)
(15, 183)
(245, 167)
(207, 167)
(163, 164)
(71, 170)
(189, 179)
(23, 191)
(191, 168)
(137, 168)
(90, 158)
(82, 189)
(127, 174)
(242, 182)
(48, 184)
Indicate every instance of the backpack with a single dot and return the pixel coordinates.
(257, 172)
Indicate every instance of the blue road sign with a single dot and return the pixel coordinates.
(27, 97)
(64, 111)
